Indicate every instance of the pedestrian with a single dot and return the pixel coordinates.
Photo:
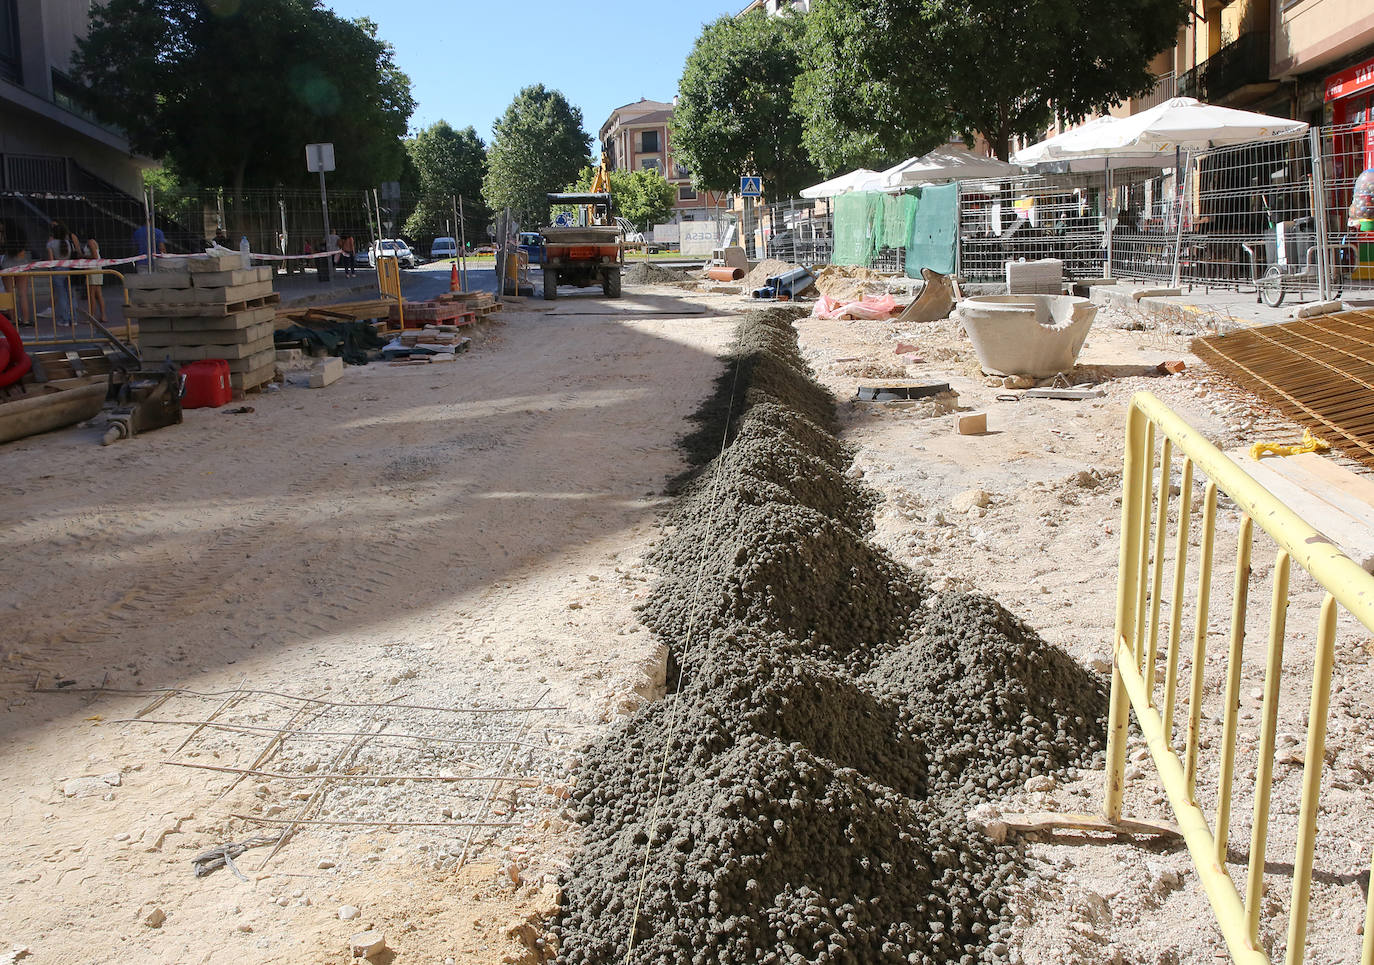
(349, 249)
(95, 282)
(16, 255)
(141, 243)
(221, 240)
(60, 249)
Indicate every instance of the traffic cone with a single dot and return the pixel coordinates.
(453, 278)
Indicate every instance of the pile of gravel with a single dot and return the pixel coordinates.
(647, 273)
(802, 792)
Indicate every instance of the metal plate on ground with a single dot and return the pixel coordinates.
(900, 393)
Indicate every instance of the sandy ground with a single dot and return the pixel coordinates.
(456, 535)
(469, 536)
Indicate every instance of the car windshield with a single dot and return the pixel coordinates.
(389, 246)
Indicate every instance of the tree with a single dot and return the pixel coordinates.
(886, 79)
(448, 164)
(643, 198)
(735, 111)
(539, 147)
(230, 93)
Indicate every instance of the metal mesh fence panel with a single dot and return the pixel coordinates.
(1347, 152)
(798, 230)
(1029, 219)
(275, 221)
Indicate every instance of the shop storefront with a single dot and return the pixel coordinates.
(1350, 108)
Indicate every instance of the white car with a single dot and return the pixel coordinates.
(443, 248)
(392, 248)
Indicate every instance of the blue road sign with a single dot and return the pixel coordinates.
(751, 187)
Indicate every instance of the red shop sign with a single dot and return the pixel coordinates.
(1350, 81)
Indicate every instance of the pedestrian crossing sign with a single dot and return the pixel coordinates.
(751, 187)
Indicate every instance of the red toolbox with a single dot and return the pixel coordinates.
(207, 384)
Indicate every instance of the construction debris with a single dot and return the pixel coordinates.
(213, 310)
(936, 300)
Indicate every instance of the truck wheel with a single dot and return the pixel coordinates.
(610, 283)
(550, 284)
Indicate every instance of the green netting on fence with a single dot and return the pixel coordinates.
(858, 223)
(899, 212)
(934, 230)
(868, 221)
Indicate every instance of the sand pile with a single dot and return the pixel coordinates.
(835, 720)
(849, 283)
(647, 273)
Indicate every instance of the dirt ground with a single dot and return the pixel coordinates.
(470, 535)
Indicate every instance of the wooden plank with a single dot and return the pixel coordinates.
(1353, 535)
(199, 310)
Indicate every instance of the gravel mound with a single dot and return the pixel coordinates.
(832, 719)
(647, 273)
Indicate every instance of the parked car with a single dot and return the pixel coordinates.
(532, 244)
(443, 248)
(392, 247)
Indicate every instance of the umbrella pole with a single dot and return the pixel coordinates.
(1107, 212)
(1182, 201)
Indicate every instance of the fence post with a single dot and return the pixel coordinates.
(1182, 207)
(1314, 137)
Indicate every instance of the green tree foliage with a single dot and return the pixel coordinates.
(735, 111)
(643, 198)
(538, 148)
(448, 164)
(231, 91)
(888, 79)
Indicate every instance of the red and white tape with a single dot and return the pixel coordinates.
(86, 263)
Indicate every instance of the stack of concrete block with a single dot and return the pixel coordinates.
(212, 309)
(1043, 277)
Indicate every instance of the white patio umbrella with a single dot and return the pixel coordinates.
(861, 180)
(1176, 125)
(948, 163)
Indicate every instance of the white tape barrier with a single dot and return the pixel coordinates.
(91, 263)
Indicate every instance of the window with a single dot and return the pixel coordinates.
(651, 164)
(686, 194)
(680, 171)
(9, 42)
(648, 141)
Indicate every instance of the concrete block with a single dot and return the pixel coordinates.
(158, 279)
(972, 424)
(289, 356)
(1140, 293)
(1319, 308)
(326, 372)
(199, 263)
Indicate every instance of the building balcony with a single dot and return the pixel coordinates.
(1237, 69)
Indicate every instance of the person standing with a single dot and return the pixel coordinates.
(95, 283)
(141, 243)
(60, 249)
(349, 249)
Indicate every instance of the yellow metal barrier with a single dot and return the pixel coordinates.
(1140, 581)
(389, 284)
(48, 301)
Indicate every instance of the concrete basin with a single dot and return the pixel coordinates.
(1035, 335)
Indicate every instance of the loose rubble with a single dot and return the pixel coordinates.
(802, 795)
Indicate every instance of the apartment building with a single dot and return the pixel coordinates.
(637, 137)
(47, 142)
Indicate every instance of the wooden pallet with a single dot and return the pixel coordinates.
(196, 352)
(199, 310)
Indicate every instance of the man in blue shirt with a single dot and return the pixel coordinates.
(141, 243)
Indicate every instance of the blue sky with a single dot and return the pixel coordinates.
(467, 59)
